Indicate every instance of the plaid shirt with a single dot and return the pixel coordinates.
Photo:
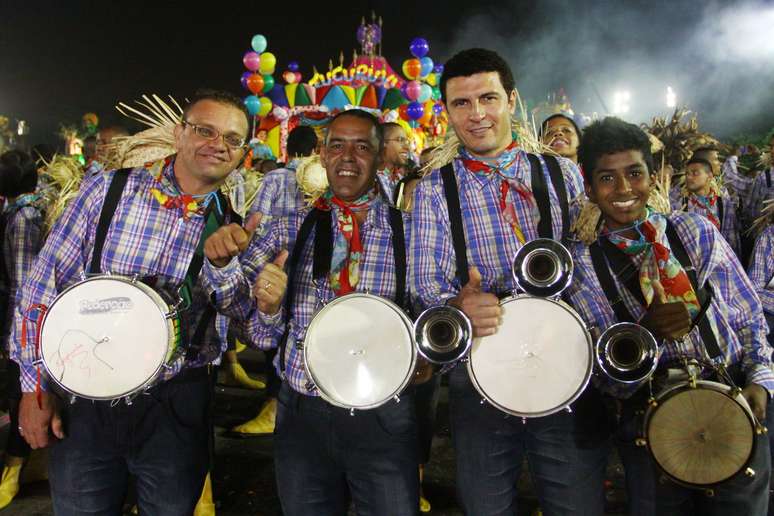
(735, 312)
(762, 268)
(278, 193)
(22, 240)
(759, 192)
(729, 226)
(739, 185)
(491, 240)
(231, 284)
(144, 239)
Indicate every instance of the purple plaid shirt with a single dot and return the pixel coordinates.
(735, 313)
(144, 239)
(278, 193)
(759, 192)
(762, 268)
(231, 284)
(491, 241)
(729, 226)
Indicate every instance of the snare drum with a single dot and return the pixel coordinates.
(538, 362)
(700, 435)
(359, 352)
(106, 337)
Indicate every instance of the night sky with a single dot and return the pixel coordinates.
(61, 59)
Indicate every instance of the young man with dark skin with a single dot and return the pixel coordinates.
(618, 164)
(562, 134)
(323, 454)
(499, 215)
(166, 451)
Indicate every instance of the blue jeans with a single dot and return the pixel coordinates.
(490, 446)
(161, 440)
(322, 453)
(651, 493)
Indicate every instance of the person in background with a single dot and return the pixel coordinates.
(561, 133)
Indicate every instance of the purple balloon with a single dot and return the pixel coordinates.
(361, 31)
(413, 90)
(245, 75)
(377, 31)
(438, 108)
(293, 66)
(438, 69)
(415, 111)
(419, 47)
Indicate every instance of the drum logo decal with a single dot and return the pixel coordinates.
(108, 305)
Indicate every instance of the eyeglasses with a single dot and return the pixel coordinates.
(401, 140)
(208, 133)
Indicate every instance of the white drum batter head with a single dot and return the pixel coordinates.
(537, 363)
(105, 337)
(359, 352)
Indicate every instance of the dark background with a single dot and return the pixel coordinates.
(59, 60)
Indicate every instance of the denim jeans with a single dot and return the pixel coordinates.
(160, 439)
(323, 455)
(652, 493)
(490, 446)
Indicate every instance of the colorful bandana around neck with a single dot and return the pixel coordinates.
(705, 205)
(168, 193)
(502, 165)
(347, 247)
(658, 263)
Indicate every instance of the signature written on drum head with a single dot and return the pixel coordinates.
(78, 350)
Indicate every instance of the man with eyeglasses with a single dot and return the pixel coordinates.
(155, 221)
(396, 158)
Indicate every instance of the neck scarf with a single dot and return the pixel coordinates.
(705, 205)
(658, 262)
(502, 165)
(347, 247)
(167, 193)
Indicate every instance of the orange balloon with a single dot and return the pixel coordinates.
(412, 68)
(428, 116)
(255, 83)
(402, 112)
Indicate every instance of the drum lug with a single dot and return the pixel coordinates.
(749, 473)
(352, 412)
(73, 399)
(709, 493)
(761, 429)
(652, 402)
(128, 400)
(524, 421)
(641, 442)
(568, 409)
(396, 398)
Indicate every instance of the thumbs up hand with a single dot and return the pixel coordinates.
(482, 308)
(269, 288)
(666, 320)
(228, 241)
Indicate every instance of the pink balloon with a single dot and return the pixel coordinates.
(252, 61)
(413, 90)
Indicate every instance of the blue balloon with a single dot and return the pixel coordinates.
(427, 66)
(438, 69)
(252, 104)
(415, 111)
(293, 66)
(259, 43)
(438, 108)
(419, 47)
(244, 78)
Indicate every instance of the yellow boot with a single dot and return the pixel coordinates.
(9, 484)
(205, 506)
(424, 504)
(238, 346)
(263, 423)
(236, 375)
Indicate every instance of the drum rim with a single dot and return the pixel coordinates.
(582, 387)
(409, 331)
(681, 386)
(157, 300)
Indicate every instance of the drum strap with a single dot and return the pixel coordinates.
(720, 212)
(109, 205)
(600, 259)
(323, 253)
(539, 190)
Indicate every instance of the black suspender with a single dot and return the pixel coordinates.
(720, 212)
(109, 205)
(455, 220)
(321, 221)
(768, 177)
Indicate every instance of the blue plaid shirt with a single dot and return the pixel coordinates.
(762, 268)
(759, 192)
(729, 226)
(231, 284)
(278, 193)
(735, 312)
(144, 239)
(491, 240)
(738, 184)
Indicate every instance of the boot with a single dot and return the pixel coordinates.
(263, 423)
(9, 484)
(236, 375)
(205, 506)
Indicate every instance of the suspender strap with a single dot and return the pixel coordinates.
(720, 212)
(703, 294)
(540, 191)
(109, 205)
(609, 288)
(768, 177)
(399, 252)
(557, 180)
(455, 220)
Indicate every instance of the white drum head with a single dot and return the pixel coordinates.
(359, 352)
(105, 338)
(537, 363)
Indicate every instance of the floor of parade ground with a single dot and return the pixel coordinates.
(244, 472)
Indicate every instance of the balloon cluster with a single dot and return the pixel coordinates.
(258, 79)
(421, 90)
(292, 75)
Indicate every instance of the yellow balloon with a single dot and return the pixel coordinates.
(268, 62)
(266, 106)
(432, 79)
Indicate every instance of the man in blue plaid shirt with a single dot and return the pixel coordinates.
(161, 438)
(654, 288)
(499, 214)
(321, 451)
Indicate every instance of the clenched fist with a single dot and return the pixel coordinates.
(271, 284)
(229, 241)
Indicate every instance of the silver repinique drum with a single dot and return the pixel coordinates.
(359, 351)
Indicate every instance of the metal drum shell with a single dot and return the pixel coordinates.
(308, 348)
(586, 369)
